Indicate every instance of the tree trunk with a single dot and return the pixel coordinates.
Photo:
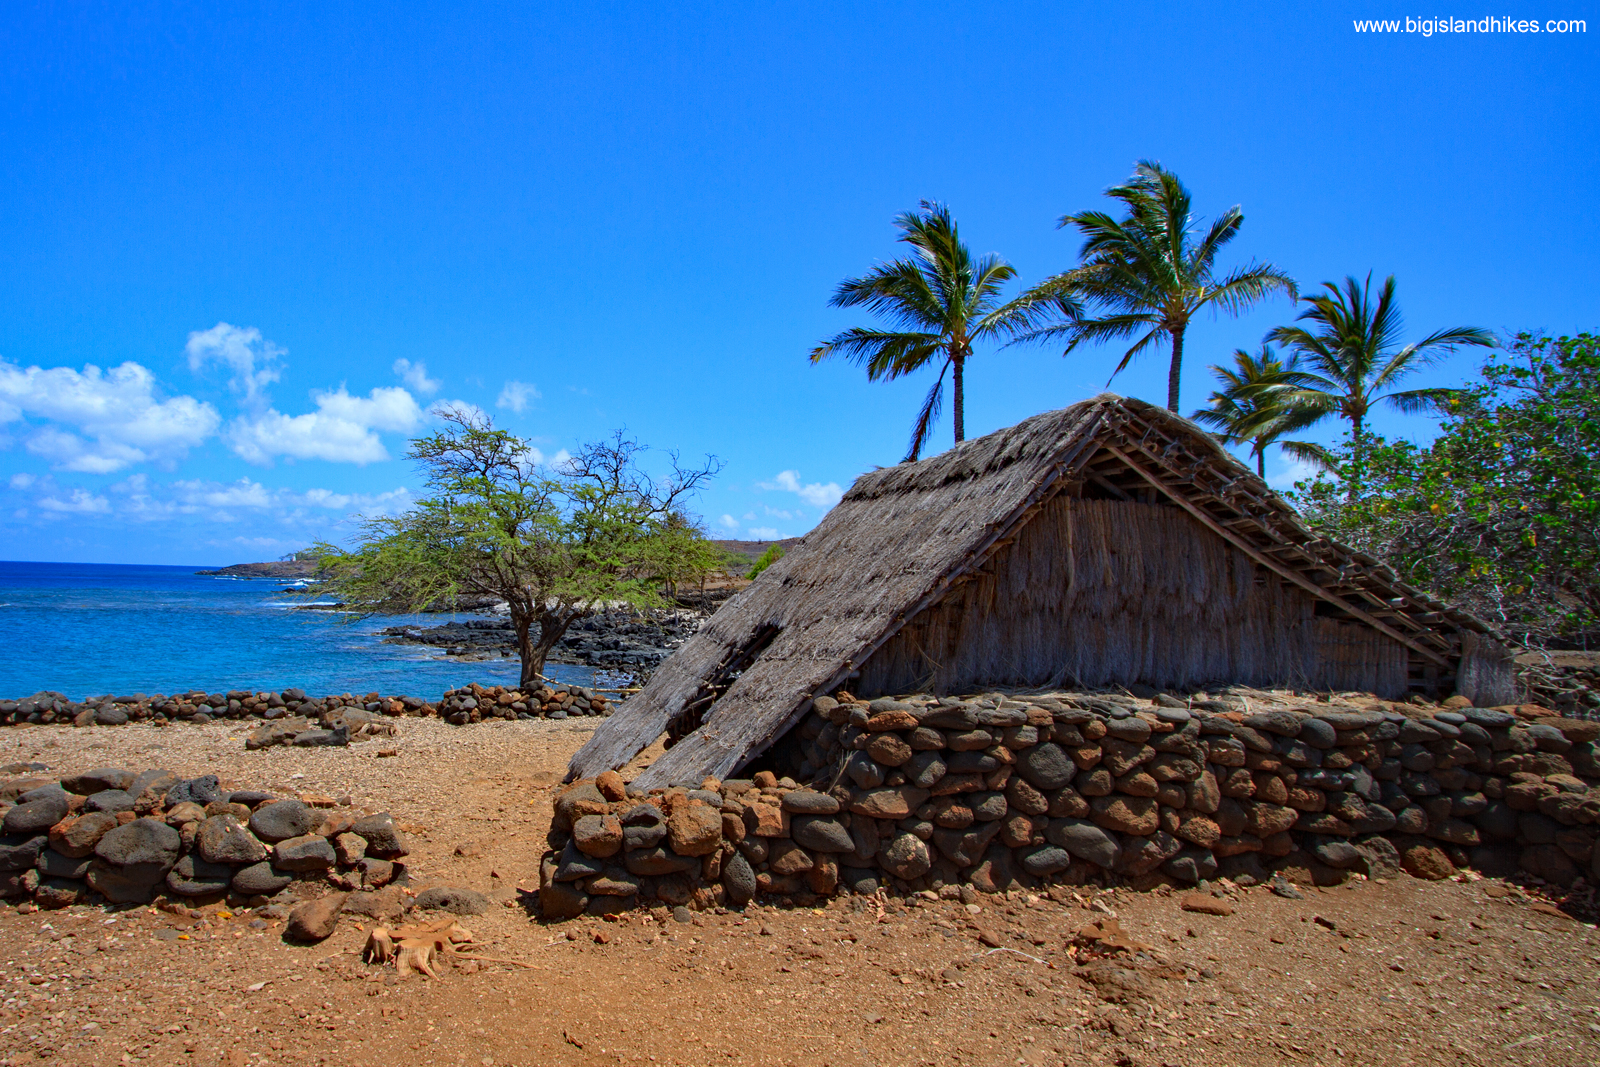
(1358, 453)
(1174, 370)
(552, 626)
(961, 396)
(1261, 464)
(532, 659)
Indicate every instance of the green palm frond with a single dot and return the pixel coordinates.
(1252, 405)
(937, 302)
(926, 417)
(1353, 345)
(1310, 452)
(1147, 273)
(885, 354)
(1424, 401)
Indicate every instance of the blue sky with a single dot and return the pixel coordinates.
(244, 250)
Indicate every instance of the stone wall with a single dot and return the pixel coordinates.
(458, 706)
(998, 791)
(123, 837)
(1569, 682)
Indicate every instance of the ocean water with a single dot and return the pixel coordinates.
(87, 629)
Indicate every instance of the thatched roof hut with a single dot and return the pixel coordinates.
(1108, 543)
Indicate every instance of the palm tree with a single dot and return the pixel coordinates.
(1355, 354)
(939, 303)
(1249, 406)
(1146, 275)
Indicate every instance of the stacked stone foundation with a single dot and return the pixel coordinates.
(1003, 792)
(459, 707)
(116, 836)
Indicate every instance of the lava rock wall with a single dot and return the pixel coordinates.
(998, 792)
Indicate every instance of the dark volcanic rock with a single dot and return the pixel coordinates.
(283, 819)
(18, 852)
(140, 842)
(90, 782)
(35, 816)
(202, 790)
(111, 800)
(454, 899)
(819, 833)
(308, 853)
(222, 839)
(260, 879)
(384, 839)
(194, 877)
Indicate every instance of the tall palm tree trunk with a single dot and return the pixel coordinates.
(960, 401)
(1358, 445)
(1174, 370)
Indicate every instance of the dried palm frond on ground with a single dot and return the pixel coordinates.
(415, 947)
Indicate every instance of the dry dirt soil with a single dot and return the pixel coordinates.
(1404, 972)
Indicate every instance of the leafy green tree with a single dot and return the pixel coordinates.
(555, 543)
(1353, 354)
(939, 304)
(1501, 512)
(1249, 407)
(772, 555)
(1146, 274)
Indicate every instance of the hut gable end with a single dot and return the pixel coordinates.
(1108, 542)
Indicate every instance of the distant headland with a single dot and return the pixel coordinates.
(281, 568)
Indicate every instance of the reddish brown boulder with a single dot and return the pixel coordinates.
(694, 829)
(1423, 860)
(315, 919)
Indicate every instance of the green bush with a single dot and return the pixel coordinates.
(1501, 513)
(772, 555)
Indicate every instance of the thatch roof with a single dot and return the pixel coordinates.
(903, 536)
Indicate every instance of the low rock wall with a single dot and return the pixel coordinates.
(471, 704)
(997, 792)
(124, 837)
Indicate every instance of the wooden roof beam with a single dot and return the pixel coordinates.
(1272, 564)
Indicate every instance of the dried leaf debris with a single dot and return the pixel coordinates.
(416, 947)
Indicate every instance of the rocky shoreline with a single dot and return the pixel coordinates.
(283, 568)
(628, 641)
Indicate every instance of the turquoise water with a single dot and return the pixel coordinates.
(87, 629)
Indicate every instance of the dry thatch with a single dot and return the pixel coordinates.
(1071, 547)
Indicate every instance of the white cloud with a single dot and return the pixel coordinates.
(775, 513)
(815, 494)
(78, 502)
(241, 494)
(788, 481)
(21, 481)
(516, 396)
(392, 502)
(68, 451)
(117, 418)
(252, 358)
(415, 375)
(821, 496)
(225, 501)
(727, 522)
(1290, 471)
(341, 430)
(763, 533)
